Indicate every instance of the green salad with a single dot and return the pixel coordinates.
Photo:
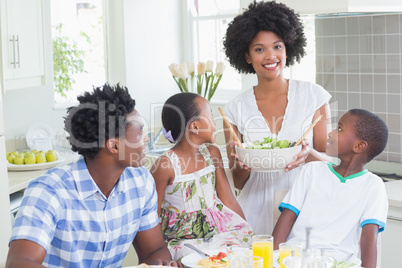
(270, 143)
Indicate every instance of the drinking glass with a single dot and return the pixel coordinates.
(239, 261)
(285, 249)
(237, 250)
(263, 246)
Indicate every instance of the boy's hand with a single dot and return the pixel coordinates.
(300, 157)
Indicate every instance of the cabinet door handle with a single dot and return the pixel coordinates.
(394, 218)
(13, 63)
(18, 52)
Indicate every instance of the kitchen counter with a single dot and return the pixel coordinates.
(394, 190)
(19, 180)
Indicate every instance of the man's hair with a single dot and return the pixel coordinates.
(372, 129)
(178, 111)
(100, 115)
(264, 16)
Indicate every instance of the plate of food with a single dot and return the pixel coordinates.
(269, 154)
(217, 259)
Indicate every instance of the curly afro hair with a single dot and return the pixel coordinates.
(99, 116)
(372, 129)
(264, 16)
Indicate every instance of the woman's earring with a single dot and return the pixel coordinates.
(197, 131)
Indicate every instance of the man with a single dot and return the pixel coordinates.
(87, 213)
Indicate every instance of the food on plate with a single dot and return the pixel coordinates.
(269, 143)
(32, 157)
(219, 260)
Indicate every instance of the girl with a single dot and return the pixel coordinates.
(263, 41)
(195, 201)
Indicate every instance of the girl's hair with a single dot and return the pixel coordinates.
(264, 16)
(100, 115)
(178, 111)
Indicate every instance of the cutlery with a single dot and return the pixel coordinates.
(202, 253)
(230, 128)
(308, 130)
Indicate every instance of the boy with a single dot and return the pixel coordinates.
(88, 213)
(339, 202)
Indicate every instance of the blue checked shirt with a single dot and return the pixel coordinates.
(65, 212)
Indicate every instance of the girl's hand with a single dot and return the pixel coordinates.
(300, 157)
(238, 163)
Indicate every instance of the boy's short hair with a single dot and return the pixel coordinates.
(99, 116)
(372, 129)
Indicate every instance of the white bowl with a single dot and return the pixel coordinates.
(264, 160)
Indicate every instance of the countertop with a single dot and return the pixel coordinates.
(394, 192)
(19, 180)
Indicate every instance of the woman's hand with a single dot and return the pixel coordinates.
(238, 162)
(300, 158)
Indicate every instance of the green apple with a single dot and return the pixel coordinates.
(23, 153)
(10, 158)
(14, 153)
(34, 151)
(19, 160)
(29, 158)
(51, 156)
(40, 157)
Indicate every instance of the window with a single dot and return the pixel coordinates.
(209, 20)
(78, 45)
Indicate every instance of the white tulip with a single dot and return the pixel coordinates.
(174, 69)
(220, 68)
(201, 67)
(190, 68)
(210, 66)
(182, 73)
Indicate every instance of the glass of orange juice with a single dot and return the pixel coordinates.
(285, 249)
(263, 246)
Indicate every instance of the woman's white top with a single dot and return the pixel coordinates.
(335, 208)
(256, 197)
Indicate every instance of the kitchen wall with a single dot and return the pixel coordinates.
(143, 39)
(359, 62)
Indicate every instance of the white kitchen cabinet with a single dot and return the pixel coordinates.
(392, 239)
(392, 236)
(22, 43)
(5, 219)
(341, 6)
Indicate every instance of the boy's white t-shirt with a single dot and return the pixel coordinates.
(335, 208)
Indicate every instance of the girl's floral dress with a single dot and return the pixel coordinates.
(191, 212)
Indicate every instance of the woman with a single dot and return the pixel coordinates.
(263, 40)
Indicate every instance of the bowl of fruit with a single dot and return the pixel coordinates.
(32, 160)
(268, 155)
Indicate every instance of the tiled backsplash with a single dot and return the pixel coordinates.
(359, 62)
